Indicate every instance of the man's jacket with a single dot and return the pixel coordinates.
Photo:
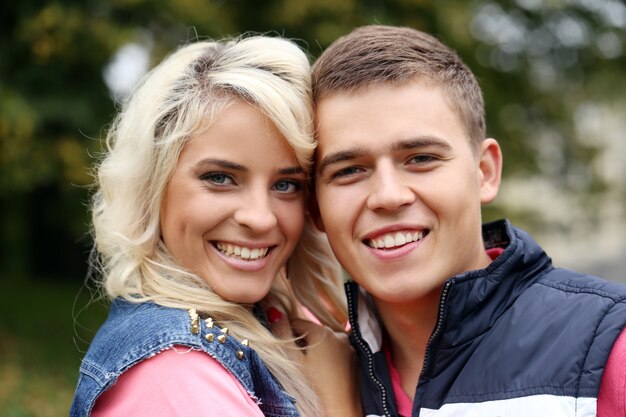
(519, 338)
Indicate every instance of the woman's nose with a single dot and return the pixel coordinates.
(256, 212)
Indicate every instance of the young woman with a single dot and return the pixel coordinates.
(204, 244)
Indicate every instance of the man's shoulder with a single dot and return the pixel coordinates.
(570, 281)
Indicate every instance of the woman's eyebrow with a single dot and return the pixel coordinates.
(291, 170)
(222, 163)
(226, 164)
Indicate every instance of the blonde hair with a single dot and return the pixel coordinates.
(175, 101)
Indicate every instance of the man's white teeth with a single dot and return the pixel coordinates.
(241, 251)
(392, 240)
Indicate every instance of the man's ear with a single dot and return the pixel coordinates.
(490, 166)
(314, 212)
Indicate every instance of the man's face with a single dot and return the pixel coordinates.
(400, 188)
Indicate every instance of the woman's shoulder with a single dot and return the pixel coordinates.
(133, 332)
(179, 381)
(131, 323)
(125, 313)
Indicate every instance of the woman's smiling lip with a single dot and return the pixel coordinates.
(247, 257)
(244, 252)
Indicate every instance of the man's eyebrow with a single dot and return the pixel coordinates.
(399, 145)
(333, 158)
(421, 142)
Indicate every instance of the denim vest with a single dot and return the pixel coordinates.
(134, 332)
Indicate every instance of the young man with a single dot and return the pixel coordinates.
(449, 317)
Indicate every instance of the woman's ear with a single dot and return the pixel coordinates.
(490, 167)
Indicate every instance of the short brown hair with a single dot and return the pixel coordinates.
(376, 54)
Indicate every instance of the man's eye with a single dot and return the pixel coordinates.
(345, 172)
(288, 186)
(422, 159)
(217, 178)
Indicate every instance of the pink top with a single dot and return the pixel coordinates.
(612, 396)
(177, 382)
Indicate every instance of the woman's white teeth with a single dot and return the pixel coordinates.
(392, 240)
(242, 252)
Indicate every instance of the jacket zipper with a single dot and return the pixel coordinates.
(428, 362)
(370, 361)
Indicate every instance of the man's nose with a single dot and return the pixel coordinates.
(389, 188)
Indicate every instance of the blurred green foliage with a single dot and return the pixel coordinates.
(45, 328)
(538, 62)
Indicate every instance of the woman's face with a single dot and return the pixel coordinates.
(233, 210)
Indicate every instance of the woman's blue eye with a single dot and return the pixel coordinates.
(218, 178)
(288, 186)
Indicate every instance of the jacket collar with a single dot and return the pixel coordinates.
(478, 297)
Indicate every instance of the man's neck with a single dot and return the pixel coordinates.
(409, 326)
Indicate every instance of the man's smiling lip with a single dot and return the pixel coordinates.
(392, 242)
(402, 228)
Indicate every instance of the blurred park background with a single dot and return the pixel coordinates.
(553, 74)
